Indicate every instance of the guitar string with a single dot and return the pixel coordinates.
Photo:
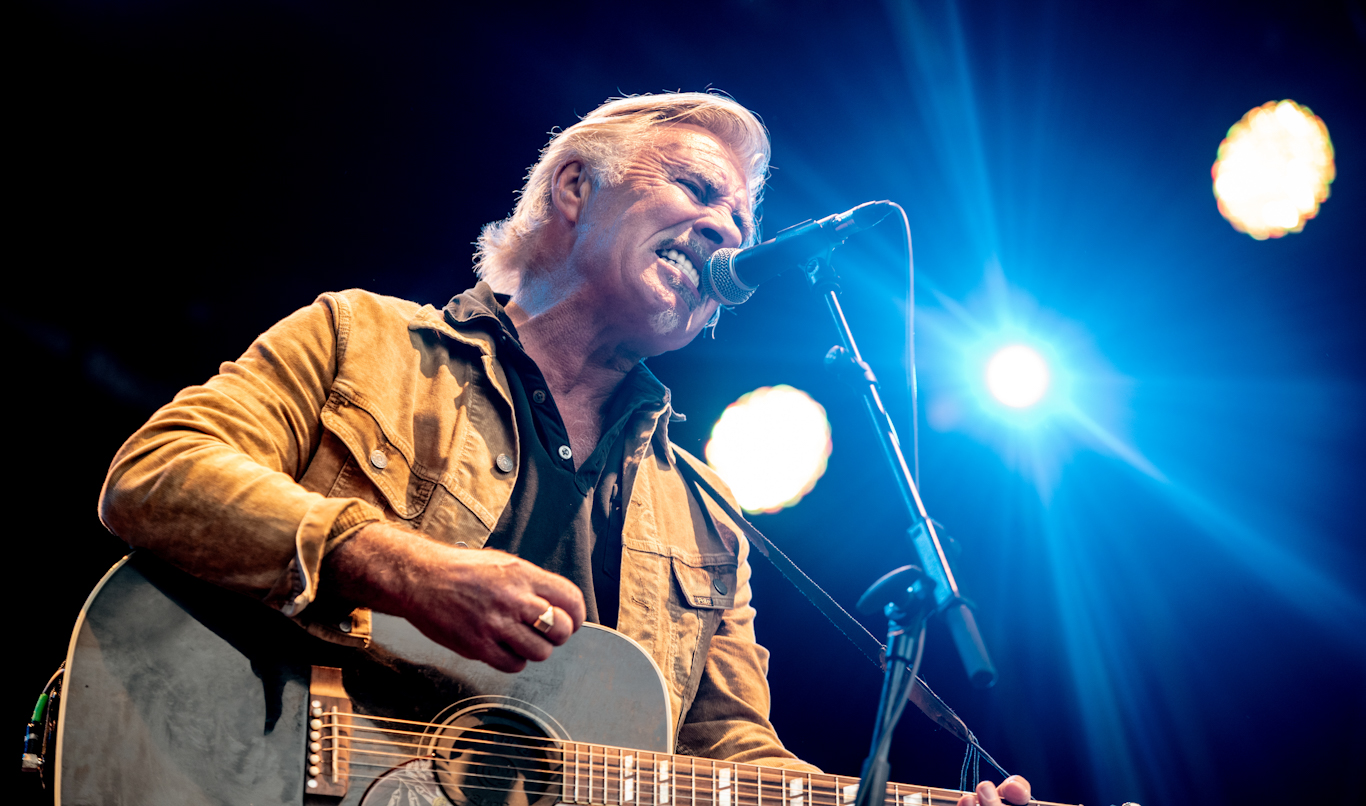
(643, 793)
(643, 796)
(813, 795)
(610, 775)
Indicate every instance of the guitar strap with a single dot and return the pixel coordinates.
(924, 698)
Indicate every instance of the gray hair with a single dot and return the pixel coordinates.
(605, 140)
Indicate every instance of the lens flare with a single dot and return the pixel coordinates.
(1017, 376)
(770, 446)
(1273, 170)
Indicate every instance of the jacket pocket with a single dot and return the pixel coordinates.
(706, 586)
(374, 462)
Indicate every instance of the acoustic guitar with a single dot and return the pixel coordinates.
(179, 692)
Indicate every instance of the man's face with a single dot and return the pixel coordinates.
(643, 243)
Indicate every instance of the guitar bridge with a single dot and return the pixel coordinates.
(329, 734)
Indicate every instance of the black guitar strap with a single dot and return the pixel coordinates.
(923, 697)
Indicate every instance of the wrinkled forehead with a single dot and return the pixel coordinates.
(685, 148)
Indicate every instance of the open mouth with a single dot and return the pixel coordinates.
(684, 264)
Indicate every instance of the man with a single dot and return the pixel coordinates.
(364, 450)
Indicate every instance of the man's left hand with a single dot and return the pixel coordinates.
(1014, 789)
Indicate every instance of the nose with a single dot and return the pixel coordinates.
(719, 227)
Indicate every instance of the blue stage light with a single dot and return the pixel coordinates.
(1017, 376)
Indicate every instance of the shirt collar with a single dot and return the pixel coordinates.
(481, 307)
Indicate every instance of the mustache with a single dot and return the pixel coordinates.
(691, 245)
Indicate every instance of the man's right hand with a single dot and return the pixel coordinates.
(481, 603)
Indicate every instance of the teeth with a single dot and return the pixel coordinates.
(684, 265)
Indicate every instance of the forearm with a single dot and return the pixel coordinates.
(210, 482)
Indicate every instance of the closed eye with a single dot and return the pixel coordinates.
(695, 189)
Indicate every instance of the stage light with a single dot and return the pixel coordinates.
(1273, 170)
(770, 446)
(1017, 376)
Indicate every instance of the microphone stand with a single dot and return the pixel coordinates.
(905, 597)
(909, 595)
(849, 363)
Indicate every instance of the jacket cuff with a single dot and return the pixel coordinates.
(328, 523)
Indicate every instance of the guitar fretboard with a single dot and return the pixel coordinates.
(582, 774)
(609, 776)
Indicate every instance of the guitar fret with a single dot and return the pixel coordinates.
(849, 793)
(565, 796)
(595, 775)
(693, 770)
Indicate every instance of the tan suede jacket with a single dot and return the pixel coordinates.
(363, 407)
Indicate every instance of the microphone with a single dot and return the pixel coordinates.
(733, 274)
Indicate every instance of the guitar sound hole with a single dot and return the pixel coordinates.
(492, 756)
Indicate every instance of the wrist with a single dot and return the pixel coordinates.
(375, 567)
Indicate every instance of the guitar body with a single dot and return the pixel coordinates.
(178, 692)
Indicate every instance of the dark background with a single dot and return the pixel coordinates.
(1169, 573)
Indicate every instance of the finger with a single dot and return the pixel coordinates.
(565, 595)
(526, 641)
(502, 658)
(986, 794)
(1015, 789)
(553, 623)
(561, 627)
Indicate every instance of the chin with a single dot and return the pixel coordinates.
(665, 322)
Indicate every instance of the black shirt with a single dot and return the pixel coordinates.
(564, 520)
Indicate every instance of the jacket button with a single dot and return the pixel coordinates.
(566, 453)
(720, 586)
(379, 459)
(460, 544)
(538, 396)
(504, 462)
(345, 626)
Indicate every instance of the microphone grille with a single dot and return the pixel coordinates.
(724, 284)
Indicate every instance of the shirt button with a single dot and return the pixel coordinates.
(504, 462)
(566, 453)
(379, 459)
(720, 586)
(538, 396)
(460, 544)
(345, 626)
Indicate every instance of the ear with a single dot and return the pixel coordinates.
(569, 190)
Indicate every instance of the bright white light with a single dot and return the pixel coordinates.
(1017, 376)
(1273, 170)
(770, 446)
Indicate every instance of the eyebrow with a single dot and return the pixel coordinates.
(711, 182)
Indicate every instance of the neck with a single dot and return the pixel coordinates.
(582, 364)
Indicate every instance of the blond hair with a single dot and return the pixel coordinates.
(605, 140)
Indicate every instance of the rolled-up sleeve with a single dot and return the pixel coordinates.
(210, 482)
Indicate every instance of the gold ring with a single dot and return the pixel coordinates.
(546, 620)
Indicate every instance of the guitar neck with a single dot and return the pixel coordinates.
(595, 774)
